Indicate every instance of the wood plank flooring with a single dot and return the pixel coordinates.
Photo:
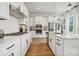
(39, 47)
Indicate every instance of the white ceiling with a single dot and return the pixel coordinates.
(47, 7)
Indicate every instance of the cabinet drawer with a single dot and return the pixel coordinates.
(7, 47)
(59, 40)
(59, 49)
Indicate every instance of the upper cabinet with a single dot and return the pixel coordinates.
(4, 10)
(16, 10)
(16, 4)
(41, 20)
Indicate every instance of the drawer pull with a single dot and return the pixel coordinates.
(26, 41)
(12, 54)
(50, 40)
(58, 44)
(11, 46)
(58, 39)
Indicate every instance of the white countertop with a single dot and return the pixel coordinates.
(66, 35)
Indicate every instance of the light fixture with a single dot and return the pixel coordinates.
(69, 6)
(54, 10)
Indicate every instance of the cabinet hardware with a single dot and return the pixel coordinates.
(26, 41)
(58, 39)
(50, 40)
(11, 46)
(12, 54)
(58, 44)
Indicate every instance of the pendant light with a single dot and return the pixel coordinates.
(69, 6)
(54, 10)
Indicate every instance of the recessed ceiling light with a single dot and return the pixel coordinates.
(38, 8)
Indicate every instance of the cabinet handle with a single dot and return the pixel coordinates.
(50, 40)
(58, 40)
(12, 54)
(26, 41)
(58, 44)
(11, 46)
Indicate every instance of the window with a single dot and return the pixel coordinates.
(70, 23)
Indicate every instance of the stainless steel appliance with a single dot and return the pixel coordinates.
(38, 29)
(51, 26)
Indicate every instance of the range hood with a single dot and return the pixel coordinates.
(14, 11)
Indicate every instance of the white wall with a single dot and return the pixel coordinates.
(41, 20)
(4, 10)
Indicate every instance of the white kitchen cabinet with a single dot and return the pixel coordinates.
(6, 47)
(44, 34)
(71, 47)
(11, 48)
(26, 41)
(52, 42)
(16, 4)
(59, 47)
(32, 21)
(16, 49)
(67, 45)
(41, 20)
(15, 45)
(23, 10)
(4, 10)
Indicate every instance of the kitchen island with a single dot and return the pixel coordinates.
(64, 44)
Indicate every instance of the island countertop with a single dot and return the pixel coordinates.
(65, 35)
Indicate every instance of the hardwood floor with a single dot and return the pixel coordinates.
(39, 47)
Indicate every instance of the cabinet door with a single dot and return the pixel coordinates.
(53, 44)
(16, 4)
(6, 47)
(71, 47)
(50, 41)
(59, 48)
(9, 53)
(24, 42)
(16, 49)
(4, 10)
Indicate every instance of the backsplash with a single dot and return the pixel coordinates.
(9, 26)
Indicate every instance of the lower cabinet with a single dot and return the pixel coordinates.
(26, 41)
(11, 48)
(59, 46)
(16, 49)
(52, 43)
(67, 46)
(17, 46)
